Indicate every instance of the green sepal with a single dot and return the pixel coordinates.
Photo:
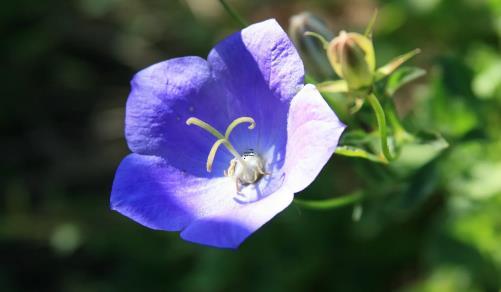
(387, 69)
(370, 26)
(336, 86)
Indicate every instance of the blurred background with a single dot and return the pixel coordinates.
(64, 80)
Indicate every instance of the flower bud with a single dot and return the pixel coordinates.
(311, 50)
(352, 57)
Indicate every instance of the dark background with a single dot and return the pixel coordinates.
(64, 79)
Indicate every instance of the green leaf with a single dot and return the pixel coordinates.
(351, 151)
(401, 77)
(357, 137)
(415, 154)
(421, 185)
(447, 105)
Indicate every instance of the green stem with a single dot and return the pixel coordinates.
(234, 14)
(325, 43)
(381, 121)
(331, 203)
(400, 134)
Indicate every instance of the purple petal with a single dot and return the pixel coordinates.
(153, 193)
(313, 134)
(253, 73)
(262, 70)
(261, 54)
(150, 191)
(229, 229)
(163, 97)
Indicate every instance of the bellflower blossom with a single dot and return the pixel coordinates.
(215, 187)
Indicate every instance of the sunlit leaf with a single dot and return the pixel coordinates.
(413, 155)
(401, 77)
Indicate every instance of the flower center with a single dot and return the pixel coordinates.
(247, 173)
(246, 168)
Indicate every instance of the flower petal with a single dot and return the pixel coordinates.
(260, 52)
(163, 97)
(153, 193)
(229, 229)
(253, 73)
(262, 70)
(313, 134)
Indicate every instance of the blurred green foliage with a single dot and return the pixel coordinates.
(429, 222)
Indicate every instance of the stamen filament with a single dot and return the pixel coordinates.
(213, 150)
(205, 126)
(222, 139)
(212, 154)
(237, 122)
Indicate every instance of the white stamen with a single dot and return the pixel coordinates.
(247, 173)
(247, 168)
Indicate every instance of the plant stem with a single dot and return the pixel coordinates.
(233, 13)
(400, 134)
(331, 203)
(381, 121)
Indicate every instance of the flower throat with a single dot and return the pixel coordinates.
(247, 168)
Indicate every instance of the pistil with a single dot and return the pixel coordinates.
(224, 140)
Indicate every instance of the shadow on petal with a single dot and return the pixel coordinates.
(216, 232)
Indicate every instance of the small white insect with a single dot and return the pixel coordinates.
(247, 173)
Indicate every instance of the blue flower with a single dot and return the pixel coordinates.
(193, 168)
